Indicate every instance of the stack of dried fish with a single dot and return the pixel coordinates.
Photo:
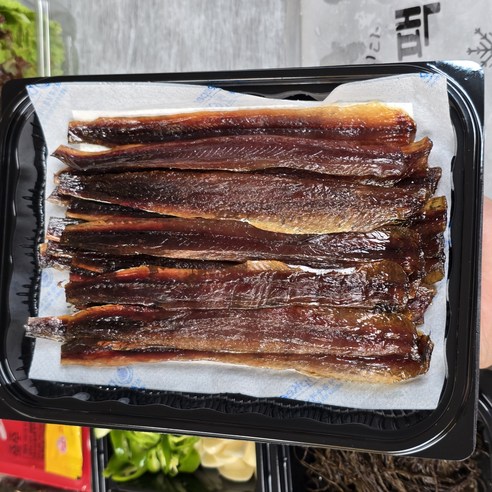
(298, 238)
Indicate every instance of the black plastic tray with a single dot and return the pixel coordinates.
(278, 466)
(425, 433)
(294, 477)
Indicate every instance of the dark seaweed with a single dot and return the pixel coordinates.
(348, 471)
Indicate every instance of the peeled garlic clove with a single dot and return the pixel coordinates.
(211, 460)
(249, 456)
(212, 445)
(239, 471)
(235, 448)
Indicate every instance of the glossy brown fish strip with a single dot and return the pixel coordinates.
(84, 263)
(77, 208)
(225, 240)
(255, 152)
(418, 304)
(431, 223)
(255, 284)
(51, 255)
(431, 178)
(293, 329)
(90, 210)
(434, 270)
(363, 121)
(367, 370)
(57, 225)
(433, 216)
(274, 203)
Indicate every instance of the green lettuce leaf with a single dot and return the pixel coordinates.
(19, 44)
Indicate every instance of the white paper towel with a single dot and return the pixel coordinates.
(56, 104)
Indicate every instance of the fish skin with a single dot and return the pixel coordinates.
(273, 203)
(256, 152)
(366, 370)
(285, 330)
(234, 241)
(371, 121)
(252, 285)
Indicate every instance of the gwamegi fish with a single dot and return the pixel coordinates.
(77, 208)
(375, 369)
(430, 224)
(90, 210)
(90, 263)
(226, 240)
(434, 270)
(283, 330)
(419, 301)
(432, 219)
(254, 284)
(269, 202)
(363, 121)
(254, 152)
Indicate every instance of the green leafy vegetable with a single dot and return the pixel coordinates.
(18, 42)
(136, 453)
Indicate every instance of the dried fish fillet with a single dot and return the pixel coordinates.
(84, 263)
(284, 330)
(256, 152)
(252, 285)
(432, 219)
(225, 240)
(434, 270)
(419, 302)
(379, 369)
(363, 121)
(90, 210)
(269, 202)
(430, 224)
